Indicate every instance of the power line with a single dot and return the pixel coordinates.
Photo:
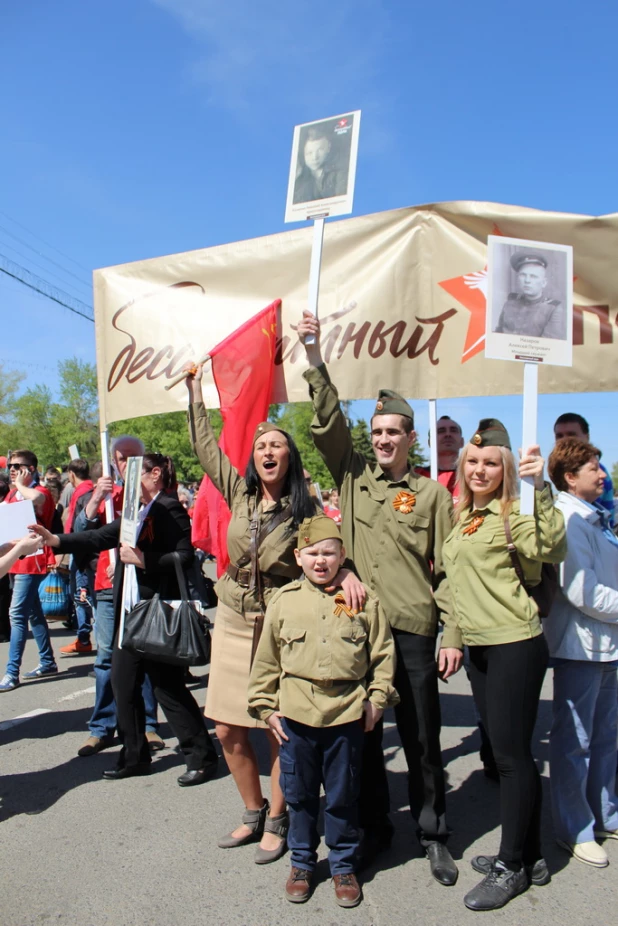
(41, 267)
(42, 240)
(43, 287)
(45, 257)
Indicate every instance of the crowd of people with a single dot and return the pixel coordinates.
(336, 606)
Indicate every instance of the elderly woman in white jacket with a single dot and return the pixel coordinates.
(582, 634)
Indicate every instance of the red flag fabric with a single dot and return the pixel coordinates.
(243, 370)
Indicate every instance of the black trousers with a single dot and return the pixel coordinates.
(418, 723)
(178, 704)
(506, 682)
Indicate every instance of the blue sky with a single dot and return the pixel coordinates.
(135, 128)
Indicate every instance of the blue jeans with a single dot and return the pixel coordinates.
(310, 756)
(26, 606)
(582, 749)
(103, 720)
(82, 578)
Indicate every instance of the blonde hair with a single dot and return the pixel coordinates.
(507, 493)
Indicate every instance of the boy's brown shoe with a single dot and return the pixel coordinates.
(347, 890)
(298, 885)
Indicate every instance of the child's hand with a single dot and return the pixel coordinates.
(274, 722)
(371, 715)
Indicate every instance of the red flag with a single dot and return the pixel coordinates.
(243, 370)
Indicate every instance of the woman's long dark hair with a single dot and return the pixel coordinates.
(295, 487)
(168, 470)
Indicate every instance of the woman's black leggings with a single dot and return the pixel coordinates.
(506, 682)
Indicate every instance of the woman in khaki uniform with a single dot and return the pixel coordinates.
(274, 494)
(500, 624)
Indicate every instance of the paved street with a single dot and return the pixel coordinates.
(81, 851)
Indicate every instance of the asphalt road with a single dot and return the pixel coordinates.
(80, 851)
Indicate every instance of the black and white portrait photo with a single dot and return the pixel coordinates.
(323, 167)
(529, 300)
(131, 501)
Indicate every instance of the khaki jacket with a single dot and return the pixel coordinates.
(317, 666)
(276, 553)
(399, 556)
(491, 605)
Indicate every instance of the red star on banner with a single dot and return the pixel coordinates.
(471, 291)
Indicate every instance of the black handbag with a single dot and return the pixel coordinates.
(174, 633)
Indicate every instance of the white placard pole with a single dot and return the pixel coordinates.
(433, 439)
(529, 437)
(314, 270)
(109, 504)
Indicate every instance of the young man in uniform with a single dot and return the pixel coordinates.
(394, 526)
(28, 574)
(322, 676)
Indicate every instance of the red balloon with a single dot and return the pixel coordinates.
(2, 462)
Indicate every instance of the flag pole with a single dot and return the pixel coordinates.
(107, 471)
(529, 436)
(433, 439)
(314, 270)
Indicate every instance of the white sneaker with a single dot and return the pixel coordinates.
(606, 834)
(590, 853)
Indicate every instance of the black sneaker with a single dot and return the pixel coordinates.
(497, 887)
(538, 874)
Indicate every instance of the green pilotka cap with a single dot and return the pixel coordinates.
(312, 530)
(491, 433)
(391, 403)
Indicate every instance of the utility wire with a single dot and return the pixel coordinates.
(11, 269)
(50, 260)
(46, 270)
(42, 240)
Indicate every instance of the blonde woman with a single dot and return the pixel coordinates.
(500, 624)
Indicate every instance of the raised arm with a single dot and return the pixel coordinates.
(215, 464)
(329, 428)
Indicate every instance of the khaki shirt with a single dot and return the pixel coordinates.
(491, 605)
(276, 553)
(399, 556)
(318, 667)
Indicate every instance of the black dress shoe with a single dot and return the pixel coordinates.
(127, 771)
(443, 868)
(198, 776)
(497, 887)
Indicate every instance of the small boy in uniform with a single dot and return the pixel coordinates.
(322, 676)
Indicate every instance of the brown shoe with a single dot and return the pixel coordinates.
(95, 744)
(347, 890)
(155, 743)
(298, 885)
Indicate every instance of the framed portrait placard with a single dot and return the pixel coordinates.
(131, 501)
(323, 168)
(529, 301)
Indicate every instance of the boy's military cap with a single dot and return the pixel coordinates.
(391, 403)
(312, 530)
(527, 257)
(491, 433)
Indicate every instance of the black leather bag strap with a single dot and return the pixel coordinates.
(262, 534)
(515, 560)
(180, 577)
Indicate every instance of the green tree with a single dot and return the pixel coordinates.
(168, 433)
(296, 419)
(615, 477)
(9, 385)
(361, 437)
